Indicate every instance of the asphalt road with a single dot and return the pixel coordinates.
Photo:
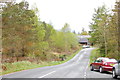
(77, 67)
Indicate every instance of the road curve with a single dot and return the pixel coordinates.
(77, 67)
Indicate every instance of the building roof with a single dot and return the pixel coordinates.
(84, 36)
(83, 40)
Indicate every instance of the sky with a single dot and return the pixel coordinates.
(77, 13)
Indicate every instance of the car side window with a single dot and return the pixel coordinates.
(97, 61)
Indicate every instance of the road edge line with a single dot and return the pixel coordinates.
(46, 74)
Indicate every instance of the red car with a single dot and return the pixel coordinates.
(103, 64)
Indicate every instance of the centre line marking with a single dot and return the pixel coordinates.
(85, 74)
(46, 74)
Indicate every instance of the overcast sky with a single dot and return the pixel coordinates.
(77, 13)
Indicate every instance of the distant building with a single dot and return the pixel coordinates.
(83, 39)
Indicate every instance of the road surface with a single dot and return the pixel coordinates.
(77, 67)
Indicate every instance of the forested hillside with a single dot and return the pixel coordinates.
(26, 37)
(105, 31)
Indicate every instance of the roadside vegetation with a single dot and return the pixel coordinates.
(28, 42)
(105, 33)
(94, 55)
(24, 65)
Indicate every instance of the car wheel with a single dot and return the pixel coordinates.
(91, 68)
(101, 69)
(114, 74)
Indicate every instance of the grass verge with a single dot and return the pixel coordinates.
(68, 58)
(24, 65)
(94, 55)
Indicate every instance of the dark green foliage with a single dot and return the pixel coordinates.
(23, 35)
(104, 32)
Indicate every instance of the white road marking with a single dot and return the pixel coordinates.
(85, 74)
(80, 58)
(46, 74)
